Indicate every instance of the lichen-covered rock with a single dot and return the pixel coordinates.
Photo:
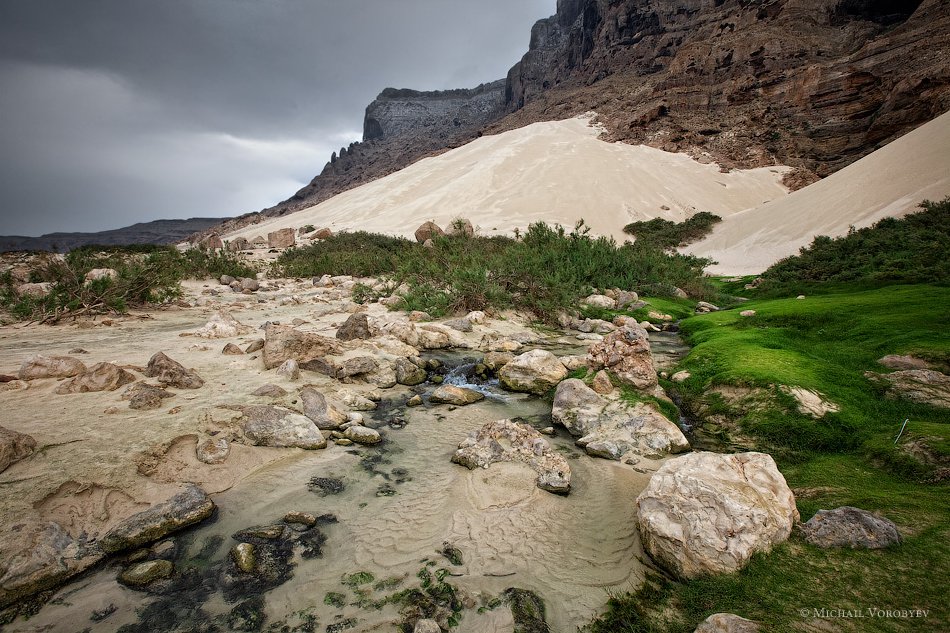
(99, 377)
(707, 513)
(726, 623)
(222, 325)
(172, 373)
(459, 396)
(639, 429)
(533, 372)
(362, 434)
(184, 509)
(280, 428)
(527, 610)
(626, 353)
(355, 327)
(14, 446)
(408, 373)
(508, 441)
(850, 527)
(283, 342)
(39, 366)
(321, 412)
(145, 573)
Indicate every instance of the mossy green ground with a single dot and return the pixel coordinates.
(825, 343)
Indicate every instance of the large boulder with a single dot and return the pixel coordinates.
(461, 227)
(577, 407)
(626, 353)
(172, 373)
(533, 372)
(356, 326)
(459, 396)
(508, 441)
(37, 558)
(282, 342)
(184, 509)
(39, 366)
(239, 244)
(427, 231)
(280, 428)
(628, 431)
(222, 325)
(99, 377)
(282, 238)
(850, 527)
(14, 446)
(316, 407)
(726, 623)
(708, 513)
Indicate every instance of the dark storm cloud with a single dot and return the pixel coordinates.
(118, 111)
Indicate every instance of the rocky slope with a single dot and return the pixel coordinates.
(156, 232)
(815, 85)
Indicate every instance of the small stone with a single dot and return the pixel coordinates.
(245, 558)
(850, 527)
(414, 401)
(213, 450)
(142, 574)
(602, 383)
(342, 441)
(681, 376)
(300, 518)
(232, 350)
(726, 623)
(747, 313)
(459, 396)
(362, 435)
(270, 391)
(426, 626)
(289, 369)
(256, 346)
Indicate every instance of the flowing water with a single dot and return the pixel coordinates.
(401, 503)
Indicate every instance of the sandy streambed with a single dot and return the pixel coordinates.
(401, 503)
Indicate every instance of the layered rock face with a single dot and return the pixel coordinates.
(819, 84)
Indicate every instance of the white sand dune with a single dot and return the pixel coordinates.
(560, 171)
(556, 171)
(889, 182)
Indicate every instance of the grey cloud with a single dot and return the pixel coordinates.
(116, 111)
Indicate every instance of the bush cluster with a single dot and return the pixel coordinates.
(544, 271)
(145, 274)
(666, 234)
(913, 249)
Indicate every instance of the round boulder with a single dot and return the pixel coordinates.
(533, 372)
(708, 513)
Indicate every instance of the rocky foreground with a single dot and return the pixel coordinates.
(117, 432)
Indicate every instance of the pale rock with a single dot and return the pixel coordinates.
(494, 361)
(639, 429)
(99, 377)
(600, 301)
(39, 366)
(280, 428)
(14, 446)
(574, 361)
(508, 441)
(355, 401)
(708, 513)
(222, 325)
(726, 623)
(747, 313)
(101, 273)
(362, 435)
(213, 450)
(577, 407)
(534, 372)
(809, 402)
(321, 412)
(476, 316)
(283, 238)
(289, 369)
(35, 290)
(680, 376)
(459, 396)
(282, 342)
(461, 227)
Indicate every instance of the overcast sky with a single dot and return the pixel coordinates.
(119, 111)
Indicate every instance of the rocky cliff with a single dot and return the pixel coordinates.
(815, 84)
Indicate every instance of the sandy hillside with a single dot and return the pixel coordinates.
(890, 182)
(557, 172)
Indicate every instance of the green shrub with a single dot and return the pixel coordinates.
(913, 249)
(666, 234)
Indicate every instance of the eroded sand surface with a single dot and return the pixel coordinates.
(402, 501)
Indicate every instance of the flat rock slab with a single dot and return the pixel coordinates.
(99, 377)
(850, 527)
(508, 441)
(184, 509)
